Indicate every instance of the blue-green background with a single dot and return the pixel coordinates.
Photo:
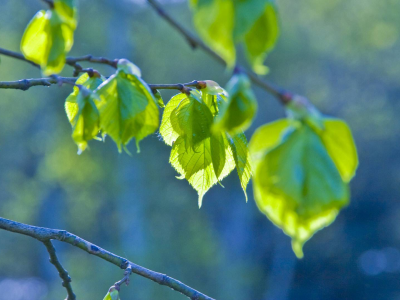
(344, 55)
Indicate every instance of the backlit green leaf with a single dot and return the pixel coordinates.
(192, 120)
(82, 112)
(238, 144)
(214, 21)
(261, 39)
(222, 23)
(202, 157)
(236, 115)
(159, 99)
(197, 164)
(49, 37)
(296, 182)
(339, 143)
(127, 108)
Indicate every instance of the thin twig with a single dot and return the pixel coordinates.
(72, 61)
(45, 234)
(126, 278)
(283, 96)
(66, 279)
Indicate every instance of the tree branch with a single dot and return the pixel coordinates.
(72, 61)
(46, 234)
(283, 96)
(66, 280)
(25, 84)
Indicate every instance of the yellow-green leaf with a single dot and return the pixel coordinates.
(340, 145)
(127, 109)
(296, 183)
(192, 120)
(261, 39)
(237, 114)
(49, 37)
(214, 21)
(82, 112)
(240, 151)
(197, 164)
(167, 132)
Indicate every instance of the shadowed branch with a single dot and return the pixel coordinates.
(47, 234)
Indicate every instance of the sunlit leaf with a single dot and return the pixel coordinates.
(159, 99)
(167, 132)
(82, 112)
(296, 183)
(192, 120)
(238, 144)
(127, 108)
(237, 114)
(222, 23)
(202, 157)
(49, 37)
(197, 164)
(214, 21)
(261, 39)
(339, 143)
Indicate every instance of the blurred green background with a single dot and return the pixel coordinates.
(342, 54)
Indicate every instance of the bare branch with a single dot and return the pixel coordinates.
(126, 278)
(283, 96)
(72, 61)
(46, 234)
(25, 84)
(66, 280)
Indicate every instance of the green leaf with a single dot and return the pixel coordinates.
(338, 140)
(127, 109)
(222, 23)
(159, 99)
(49, 37)
(113, 294)
(204, 165)
(238, 144)
(167, 132)
(214, 21)
(296, 182)
(192, 120)
(236, 115)
(82, 112)
(261, 39)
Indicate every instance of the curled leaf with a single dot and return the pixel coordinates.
(237, 114)
(49, 37)
(82, 112)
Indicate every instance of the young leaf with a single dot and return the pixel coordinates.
(236, 115)
(261, 39)
(192, 120)
(127, 108)
(339, 143)
(159, 99)
(167, 132)
(204, 165)
(214, 21)
(296, 183)
(240, 151)
(82, 112)
(49, 37)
